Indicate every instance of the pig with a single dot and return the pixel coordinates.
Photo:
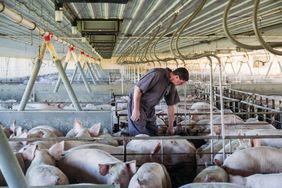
(117, 152)
(17, 145)
(42, 170)
(212, 185)
(273, 142)
(40, 106)
(80, 131)
(150, 175)
(212, 174)
(199, 107)
(236, 145)
(178, 155)
(203, 153)
(96, 166)
(98, 107)
(255, 160)
(43, 132)
(49, 128)
(259, 180)
(68, 144)
(175, 150)
(6, 130)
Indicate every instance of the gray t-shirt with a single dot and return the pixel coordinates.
(155, 85)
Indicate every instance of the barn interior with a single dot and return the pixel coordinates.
(71, 64)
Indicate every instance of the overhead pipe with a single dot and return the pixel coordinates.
(181, 29)
(196, 27)
(235, 41)
(150, 41)
(19, 19)
(257, 32)
(163, 34)
(181, 5)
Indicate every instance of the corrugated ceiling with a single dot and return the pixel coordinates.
(139, 19)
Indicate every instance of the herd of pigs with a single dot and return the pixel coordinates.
(91, 155)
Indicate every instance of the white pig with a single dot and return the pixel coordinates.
(175, 150)
(212, 174)
(96, 166)
(259, 180)
(212, 185)
(42, 170)
(255, 160)
(80, 131)
(273, 142)
(151, 175)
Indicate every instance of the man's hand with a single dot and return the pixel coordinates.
(170, 130)
(135, 116)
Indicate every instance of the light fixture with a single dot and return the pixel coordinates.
(58, 11)
(74, 28)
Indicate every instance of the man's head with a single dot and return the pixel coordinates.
(179, 76)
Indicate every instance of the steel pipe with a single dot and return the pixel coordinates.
(83, 77)
(257, 32)
(91, 73)
(30, 84)
(94, 71)
(73, 75)
(10, 166)
(211, 104)
(67, 85)
(59, 78)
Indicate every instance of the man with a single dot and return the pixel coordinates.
(148, 92)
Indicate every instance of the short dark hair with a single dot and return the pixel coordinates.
(182, 73)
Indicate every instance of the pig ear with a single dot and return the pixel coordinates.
(13, 126)
(77, 126)
(131, 165)
(63, 144)
(29, 153)
(19, 131)
(156, 149)
(104, 169)
(56, 151)
(255, 142)
(95, 129)
(23, 135)
(217, 162)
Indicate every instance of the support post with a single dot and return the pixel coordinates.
(67, 85)
(9, 165)
(91, 73)
(32, 78)
(77, 60)
(59, 78)
(63, 75)
(94, 71)
(74, 73)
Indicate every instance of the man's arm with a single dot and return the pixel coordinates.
(170, 111)
(136, 102)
